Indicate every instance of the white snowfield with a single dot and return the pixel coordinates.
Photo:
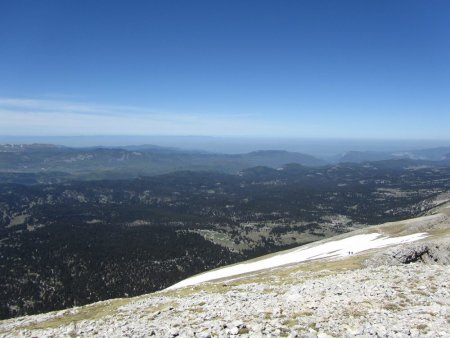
(335, 249)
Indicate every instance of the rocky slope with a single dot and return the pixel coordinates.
(397, 289)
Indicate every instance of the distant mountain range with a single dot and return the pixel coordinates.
(53, 163)
(132, 161)
(432, 154)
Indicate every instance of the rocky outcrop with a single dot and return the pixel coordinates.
(427, 252)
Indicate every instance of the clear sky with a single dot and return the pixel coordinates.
(335, 69)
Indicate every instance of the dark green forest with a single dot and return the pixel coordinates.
(71, 242)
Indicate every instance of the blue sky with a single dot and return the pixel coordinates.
(320, 69)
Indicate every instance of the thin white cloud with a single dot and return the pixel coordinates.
(68, 106)
(34, 105)
(48, 117)
(20, 116)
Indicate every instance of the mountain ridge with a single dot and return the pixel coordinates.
(429, 154)
(134, 161)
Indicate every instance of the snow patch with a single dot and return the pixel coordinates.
(340, 248)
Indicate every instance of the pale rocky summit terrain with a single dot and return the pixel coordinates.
(398, 285)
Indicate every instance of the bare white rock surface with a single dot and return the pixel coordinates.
(401, 301)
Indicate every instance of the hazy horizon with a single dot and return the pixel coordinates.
(314, 146)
